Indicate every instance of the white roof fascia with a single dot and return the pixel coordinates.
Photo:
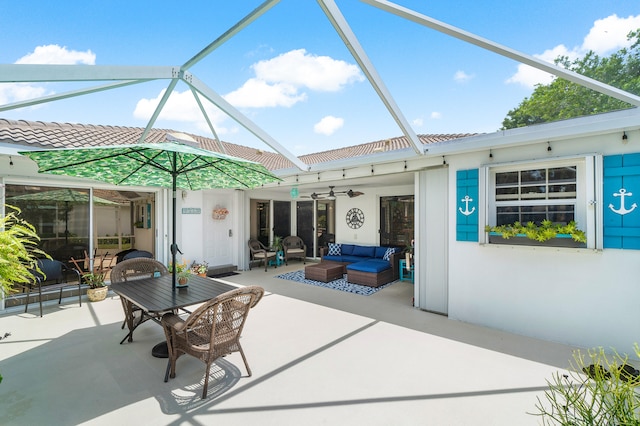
(505, 51)
(592, 125)
(243, 120)
(351, 42)
(25, 73)
(243, 23)
(71, 94)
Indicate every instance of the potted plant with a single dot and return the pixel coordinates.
(98, 289)
(278, 247)
(200, 268)
(182, 272)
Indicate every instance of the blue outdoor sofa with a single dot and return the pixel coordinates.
(365, 265)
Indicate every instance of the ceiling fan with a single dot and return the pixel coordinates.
(331, 195)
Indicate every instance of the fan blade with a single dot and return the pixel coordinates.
(352, 193)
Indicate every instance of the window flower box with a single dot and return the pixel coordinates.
(546, 234)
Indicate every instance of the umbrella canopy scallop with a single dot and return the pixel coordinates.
(160, 164)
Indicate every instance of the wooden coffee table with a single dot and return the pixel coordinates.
(324, 272)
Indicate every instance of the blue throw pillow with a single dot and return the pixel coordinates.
(380, 252)
(334, 249)
(388, 253)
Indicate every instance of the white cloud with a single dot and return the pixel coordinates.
(54, 54)
(610, 34)
(418, 122)
(435, 115)
(328, 125)
(182, 107)
(281, 81)
(605, 36)
(462, 77)
(49, 54)
(256, 93)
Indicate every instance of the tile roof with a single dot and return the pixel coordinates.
(45, 135)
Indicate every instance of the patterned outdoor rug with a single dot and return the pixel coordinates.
(339, 284)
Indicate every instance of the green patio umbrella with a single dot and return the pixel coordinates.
(66, 196)
(167, 165)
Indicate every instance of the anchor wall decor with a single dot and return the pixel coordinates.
(466, 210)
(622, 193)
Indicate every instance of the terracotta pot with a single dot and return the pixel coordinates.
(203, 275)
(182, 280)
(97, 294)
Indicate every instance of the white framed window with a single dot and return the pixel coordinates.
(559, 190)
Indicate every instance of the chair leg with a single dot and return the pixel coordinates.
(206, 380)
(244, 358)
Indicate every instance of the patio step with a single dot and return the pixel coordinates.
(219, 270)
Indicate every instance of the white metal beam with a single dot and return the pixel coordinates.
(71, 94)
(350, 40)
(505, 51)
(243, 23)
(28, 73)
(244, 121)
(156, 113)
(209, 123)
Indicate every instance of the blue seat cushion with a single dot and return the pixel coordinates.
(353, 259)
(333, 258)
(364, 251)
(372, 265)
(380, 251)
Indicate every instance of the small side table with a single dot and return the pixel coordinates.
(279, 259)
(405, 275)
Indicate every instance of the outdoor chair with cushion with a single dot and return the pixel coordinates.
(211, 331)
(131, 270)
(59, 273)
(294, 248)
(260, 253)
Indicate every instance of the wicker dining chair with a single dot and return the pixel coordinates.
(211, 331)
(131, 270)
(294, 248)
(260, 253)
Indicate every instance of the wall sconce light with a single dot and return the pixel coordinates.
(490, 154)
(10, 162)
(624, 137)
(294, 192)
(184, 195)
(549, 147)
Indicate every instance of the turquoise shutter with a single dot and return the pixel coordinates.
(467, 205)
(621, 201)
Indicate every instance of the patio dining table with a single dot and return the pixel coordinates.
(155, 297)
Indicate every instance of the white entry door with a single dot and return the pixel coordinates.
(218, 235)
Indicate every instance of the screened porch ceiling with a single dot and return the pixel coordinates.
(111, 77)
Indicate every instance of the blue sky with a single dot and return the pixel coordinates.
(289, 71)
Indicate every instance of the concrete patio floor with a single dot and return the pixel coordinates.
(318, 356)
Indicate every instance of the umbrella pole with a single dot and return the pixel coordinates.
(174, 246)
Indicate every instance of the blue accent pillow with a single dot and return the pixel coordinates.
(388, 253)
(334, 249)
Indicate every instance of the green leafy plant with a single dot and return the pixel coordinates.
(543, 232)
(277, 243)
(605, 392)
(18, 251)
(94, 279)
(182, 269)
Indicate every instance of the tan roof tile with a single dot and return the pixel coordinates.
(40, 134)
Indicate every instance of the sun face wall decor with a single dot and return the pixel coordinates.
(355, 218)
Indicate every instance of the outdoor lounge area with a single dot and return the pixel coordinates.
(316, 359)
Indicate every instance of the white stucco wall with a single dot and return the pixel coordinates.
(582, 297)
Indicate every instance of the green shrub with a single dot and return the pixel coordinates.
(605, 392)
